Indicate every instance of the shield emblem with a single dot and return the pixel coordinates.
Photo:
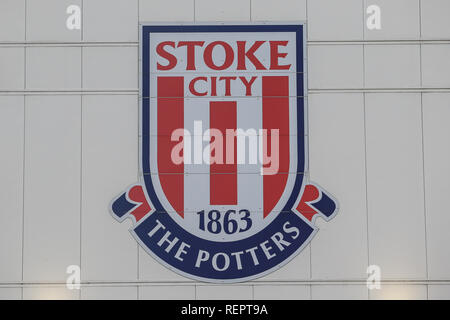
(223, 195)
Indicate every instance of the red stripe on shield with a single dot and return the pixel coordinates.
(170, 118)
(275, 104)
(223, 176)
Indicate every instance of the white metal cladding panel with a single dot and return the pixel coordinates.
(53, 68)
(392, 66)
(282, 292)
(439, 292)
(225, 292)
(401, 20)
(12, 67)
(46, 292)
(162, 10)
(51, 186)
(10, 293)
(11, 187)
(435, 22)
(167, 292)
(335, 20)
(109, 293)
(436, 113)
(335, 66)
(12, 20)
(339, 292)
(110, 68)
(395, 194)
(436, 66)
(217, 10)
(108, 251)
(72, 142)
(120, 24)
(44, 20)
(395, 292)
(268, 10)
(336, 139)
